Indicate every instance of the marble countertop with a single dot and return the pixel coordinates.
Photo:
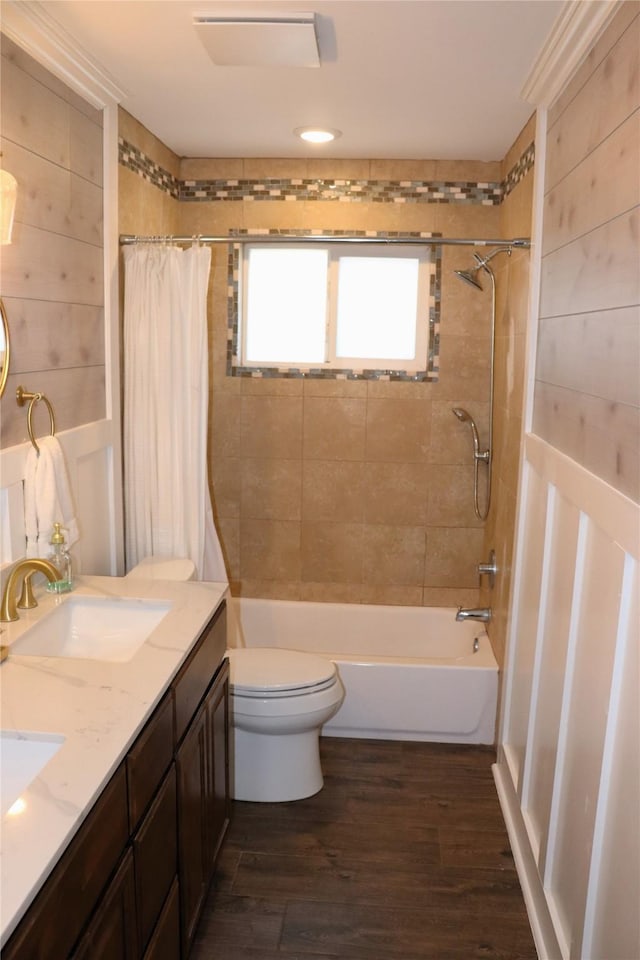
(98, 707)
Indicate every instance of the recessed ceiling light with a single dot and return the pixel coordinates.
(316, 135)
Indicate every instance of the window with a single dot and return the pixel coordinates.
(334, 307)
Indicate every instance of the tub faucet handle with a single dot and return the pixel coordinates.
(489, 569)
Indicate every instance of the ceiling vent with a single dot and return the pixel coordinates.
(260, 41)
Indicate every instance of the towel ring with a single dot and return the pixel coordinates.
(22, 396)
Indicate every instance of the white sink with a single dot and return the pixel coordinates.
(93, 628)
(22, 757)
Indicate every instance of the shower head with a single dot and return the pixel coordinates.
(461, 414)
(470, 277)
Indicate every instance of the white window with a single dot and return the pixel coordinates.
(335, 306)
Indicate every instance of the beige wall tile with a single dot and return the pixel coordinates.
(269, 589)
(271, 386)
(398, 430)
(225, 425)
(269, 550)
(452, 556)
(271, 427)
(332, 491)
(396, 493)
(332, 552)
(271, 489)
(464, 367)
(393, 556)
(225, 481)
(449, 597)
(391, 595)
(334, 428)
(331, 592)
(450, 497)
(335, 388)
(229, 534)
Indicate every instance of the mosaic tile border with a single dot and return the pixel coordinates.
(339, 190)
(134, 159)
(234, 369)
(353, 191)
(519, 170)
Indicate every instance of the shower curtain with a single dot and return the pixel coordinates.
(167, 503)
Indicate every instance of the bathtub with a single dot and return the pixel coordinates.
(409, 673)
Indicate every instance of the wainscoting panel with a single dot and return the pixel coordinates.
(570, 788)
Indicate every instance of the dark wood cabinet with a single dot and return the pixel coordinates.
(203, 801)
(132, 882)
(112, 933)
(54, 922)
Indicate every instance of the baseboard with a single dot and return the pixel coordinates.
(532, 890)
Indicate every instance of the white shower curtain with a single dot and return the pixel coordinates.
(166, 397)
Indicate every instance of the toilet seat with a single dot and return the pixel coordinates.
(270, 672)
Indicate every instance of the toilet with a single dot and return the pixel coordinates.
(279, 700)
(163, 568)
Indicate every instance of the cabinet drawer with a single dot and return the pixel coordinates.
(155, 857)
(193, 680)
(62, 908)
(149, 759)
(165, 942)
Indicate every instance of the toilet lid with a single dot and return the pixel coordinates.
(270, 671)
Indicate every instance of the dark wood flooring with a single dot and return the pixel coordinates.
(402, 856)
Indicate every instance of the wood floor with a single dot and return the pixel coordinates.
(402, 856)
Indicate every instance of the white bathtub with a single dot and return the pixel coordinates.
(410, 673)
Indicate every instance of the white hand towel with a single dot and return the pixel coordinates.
(30, 510)
(48, 497)
(63, 490)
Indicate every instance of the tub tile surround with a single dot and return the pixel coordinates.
(306, 474)
(98, 708)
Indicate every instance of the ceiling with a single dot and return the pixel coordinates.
(405, 79)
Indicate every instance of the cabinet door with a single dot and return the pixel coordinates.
(155, 857)
(112, 932)
(191, 767)
(219, 805)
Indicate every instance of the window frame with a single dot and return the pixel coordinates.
(425, 364)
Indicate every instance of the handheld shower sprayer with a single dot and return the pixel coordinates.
(465, 417)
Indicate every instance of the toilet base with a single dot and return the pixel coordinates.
(274, 769)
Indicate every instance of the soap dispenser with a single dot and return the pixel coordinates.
(61, 560)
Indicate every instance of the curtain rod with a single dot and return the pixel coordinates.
(523, 242)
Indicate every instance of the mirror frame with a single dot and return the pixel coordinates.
(4, 371)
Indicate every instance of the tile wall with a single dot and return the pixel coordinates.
(512, 292)
(341, 490)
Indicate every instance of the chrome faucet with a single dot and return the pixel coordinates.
(474, 613)
(9, 604)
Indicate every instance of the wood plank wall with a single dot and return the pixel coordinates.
(587, 398)
(568, 770)
(52, 274)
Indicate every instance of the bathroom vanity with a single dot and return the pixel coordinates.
(111, 848)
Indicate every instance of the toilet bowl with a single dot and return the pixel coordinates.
(163, 568)
(279, 700)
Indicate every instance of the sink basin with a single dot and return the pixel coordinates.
(22, 757)
(93, 628)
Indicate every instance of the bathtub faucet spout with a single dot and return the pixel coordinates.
(478, 613)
